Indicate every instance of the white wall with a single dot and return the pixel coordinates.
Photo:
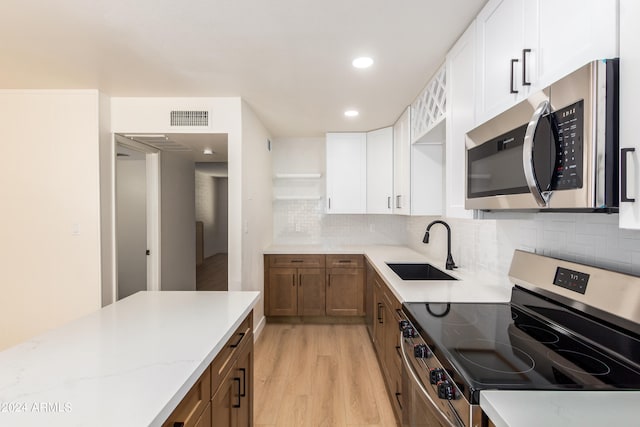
(151, 115)
(205, 210)
(107, 194)
(257, 219)
(177, 222)
(131, 226)
(220, 242)
(50, 228)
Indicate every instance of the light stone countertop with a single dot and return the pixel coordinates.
(561, 408)
(129, 363)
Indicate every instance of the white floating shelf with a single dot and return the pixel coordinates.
(298, 175)
(297, 198)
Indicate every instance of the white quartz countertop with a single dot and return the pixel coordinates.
(561, 408)
(470, 286)
(129, 363)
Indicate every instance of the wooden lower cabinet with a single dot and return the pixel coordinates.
(300, 285)
(345, 292)
(223, 396)
(386, 341)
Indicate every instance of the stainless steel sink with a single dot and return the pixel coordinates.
(416, 271)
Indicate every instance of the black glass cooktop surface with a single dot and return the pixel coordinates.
(536, 345)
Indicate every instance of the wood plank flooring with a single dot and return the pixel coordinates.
(318, 375)
(212, 275)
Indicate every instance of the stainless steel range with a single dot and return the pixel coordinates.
(567, 327)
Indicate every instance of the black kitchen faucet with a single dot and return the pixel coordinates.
(449, 265)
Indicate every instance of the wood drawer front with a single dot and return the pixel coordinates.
(223, 361)
(345, 261)
(193, 404)
(313, 261)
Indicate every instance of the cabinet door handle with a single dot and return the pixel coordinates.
(239, 341)
(239, 402)
(329, 199)
(623, 175)
(379, 315)
(300, 280)
(398, 399)
(389, 202)
(398, 202)
(293, 280)
(244, 382)
(178, 424)
(398, 351)
(329, 280)
(511, 89)
(524, 67)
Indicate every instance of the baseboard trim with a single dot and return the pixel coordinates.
(331, 320)
(259, 328)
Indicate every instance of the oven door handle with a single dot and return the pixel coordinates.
(541, 197)
(414, 378)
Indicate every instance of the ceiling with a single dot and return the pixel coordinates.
(289, 59)
(191, 144)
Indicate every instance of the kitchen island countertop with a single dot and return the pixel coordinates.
(129, 363)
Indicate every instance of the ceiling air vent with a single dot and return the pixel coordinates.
(189, 118)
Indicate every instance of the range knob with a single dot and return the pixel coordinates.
(436, 375)
(446, 390)
(421, 351)
(403, 324)
(409, 332)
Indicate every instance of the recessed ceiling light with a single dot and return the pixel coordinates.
(351, 113)
(362, 62)
(207, 151)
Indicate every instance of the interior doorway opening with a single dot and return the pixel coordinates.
(212, 229)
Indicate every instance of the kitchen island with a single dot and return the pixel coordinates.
(130, 363)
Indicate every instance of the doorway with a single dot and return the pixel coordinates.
(136, 218)
(212, 229)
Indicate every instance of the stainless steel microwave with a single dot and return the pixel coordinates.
(556, 150)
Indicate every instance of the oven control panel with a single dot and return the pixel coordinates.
(570, 279)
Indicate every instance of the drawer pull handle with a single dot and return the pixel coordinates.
(344, 261)
(239, 341)
(239, 402)
(398, 350)
(178, 424)
(297, 260)
(244, 382)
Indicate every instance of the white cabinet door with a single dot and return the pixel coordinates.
(380, 171)
(346, 173)
(572, 33)
(500, 40)
(402, 164)
(629, 95)
(460, 119)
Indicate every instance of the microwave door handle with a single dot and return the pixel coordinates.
(541, 197)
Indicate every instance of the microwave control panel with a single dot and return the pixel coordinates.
(568, 133)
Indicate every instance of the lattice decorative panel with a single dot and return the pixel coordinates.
(430, 106)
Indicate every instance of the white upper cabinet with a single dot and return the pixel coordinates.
(460, 119)
(346, 173)
(572, 33)
(629, 95)
(380, 171)
(402, 164)
(524, 45)
(500, 41)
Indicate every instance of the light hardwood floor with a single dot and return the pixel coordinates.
(212, 275)
(318, 375)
